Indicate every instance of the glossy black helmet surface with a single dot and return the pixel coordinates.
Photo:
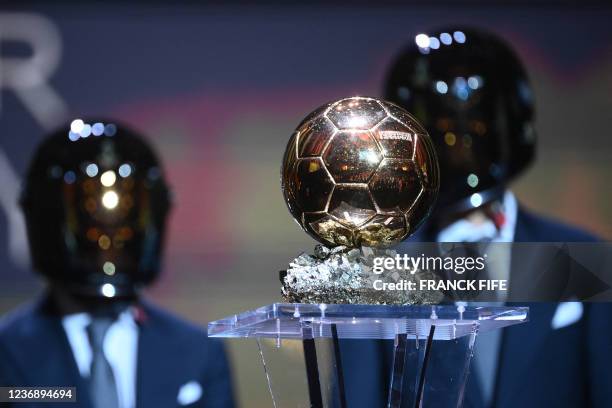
(95, 203)
(471, 93)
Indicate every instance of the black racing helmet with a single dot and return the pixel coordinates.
(470, 91)
(95, 202)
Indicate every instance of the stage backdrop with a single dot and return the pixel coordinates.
(219, 90)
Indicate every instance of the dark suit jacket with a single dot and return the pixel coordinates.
(538, 367)
(34, 351)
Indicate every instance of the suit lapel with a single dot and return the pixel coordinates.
(522, 342)
(520, 346)
(156, 384)
(44, 345)
(521, 231)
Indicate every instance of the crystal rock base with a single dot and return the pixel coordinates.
(345, 275)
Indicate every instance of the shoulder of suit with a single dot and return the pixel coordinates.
(179, 334)
(17, 320)
(545, 229)
(167, 321)
(23, 320)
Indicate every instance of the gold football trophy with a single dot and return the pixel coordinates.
(359, 175)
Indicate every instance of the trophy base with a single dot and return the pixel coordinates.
(432, 348)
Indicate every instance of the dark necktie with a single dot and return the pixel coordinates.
(102, 381)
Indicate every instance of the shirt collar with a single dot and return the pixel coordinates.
(82, 320)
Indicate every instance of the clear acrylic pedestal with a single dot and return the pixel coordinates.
(432, 347)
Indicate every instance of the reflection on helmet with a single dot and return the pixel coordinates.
(471, 93)
(95, 202)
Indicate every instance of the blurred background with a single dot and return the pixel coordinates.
(219, 88)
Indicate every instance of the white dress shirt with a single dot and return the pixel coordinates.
(120, 349)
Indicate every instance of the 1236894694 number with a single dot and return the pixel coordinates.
(37, 394)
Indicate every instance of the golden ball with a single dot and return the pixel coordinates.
(360, 171)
